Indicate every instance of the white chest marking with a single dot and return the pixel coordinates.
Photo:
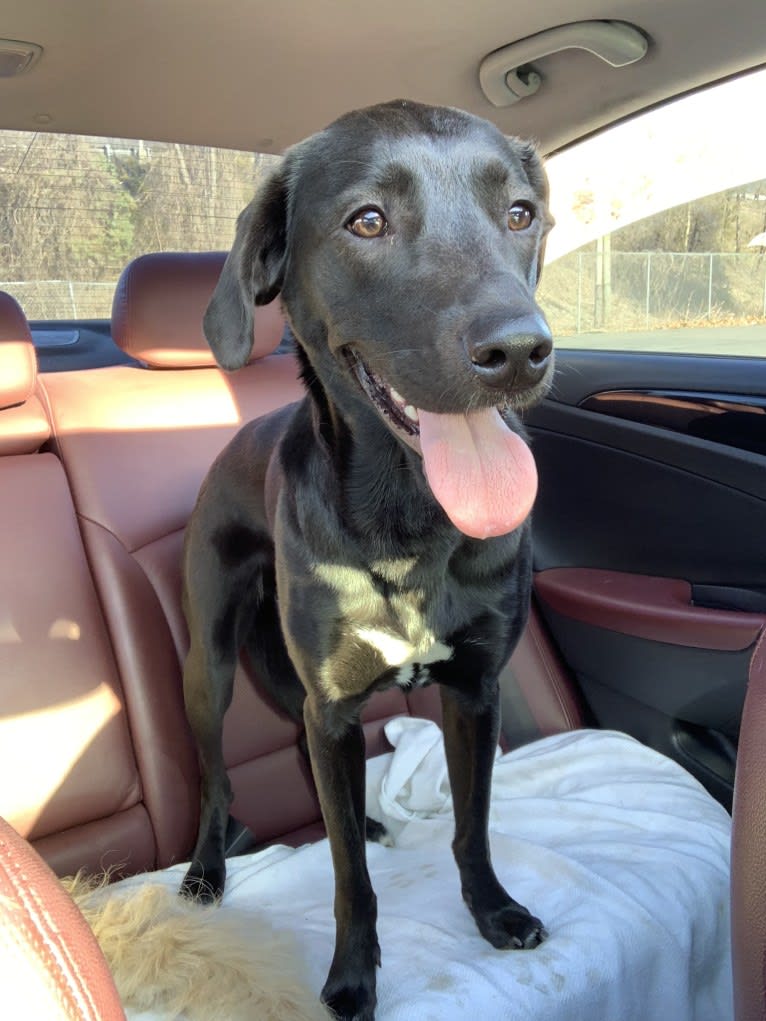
(398, 652)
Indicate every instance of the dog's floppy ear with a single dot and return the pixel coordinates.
(252, 274)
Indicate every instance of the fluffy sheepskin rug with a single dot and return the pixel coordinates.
(194, 961)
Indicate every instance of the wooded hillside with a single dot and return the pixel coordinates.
(74, 210)
(79, 208)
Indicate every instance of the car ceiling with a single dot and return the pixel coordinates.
(259, 76)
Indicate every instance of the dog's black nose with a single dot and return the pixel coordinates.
(515, 354)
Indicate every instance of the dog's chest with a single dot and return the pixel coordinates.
(388, 631)
(405, 637)
(410, 659)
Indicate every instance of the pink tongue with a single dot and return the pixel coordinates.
(481, 472)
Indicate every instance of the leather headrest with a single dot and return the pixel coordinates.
(159, 304)
(18, 364)
(24, 426)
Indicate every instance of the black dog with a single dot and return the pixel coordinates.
(375, 533)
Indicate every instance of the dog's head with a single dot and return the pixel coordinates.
(406, 242)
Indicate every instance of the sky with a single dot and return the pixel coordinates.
(704, 143)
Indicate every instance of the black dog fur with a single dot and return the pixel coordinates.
(406, 243)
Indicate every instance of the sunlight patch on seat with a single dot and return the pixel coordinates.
(39, 750)
(67, 629)
(146, 402)
(8, 633)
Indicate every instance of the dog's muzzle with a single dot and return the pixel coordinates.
(479, 469)
(509, 355)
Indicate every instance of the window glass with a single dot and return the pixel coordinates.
(75, 209)
(660, 243)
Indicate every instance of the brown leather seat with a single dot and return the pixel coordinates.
(92, 727)
(135, 442)
(50, 963)
(71, 777)
(24, 426)
(748, 851)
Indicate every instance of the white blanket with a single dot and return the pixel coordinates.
(622, 854)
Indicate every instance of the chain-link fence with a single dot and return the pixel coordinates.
(62, 299)
(619, 291)
(580, 293)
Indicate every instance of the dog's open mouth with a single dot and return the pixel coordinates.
(388, 401)
(480, 470)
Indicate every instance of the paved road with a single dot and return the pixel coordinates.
(723, 340)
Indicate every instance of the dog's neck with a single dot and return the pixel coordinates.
(380, 480)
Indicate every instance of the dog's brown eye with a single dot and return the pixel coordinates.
(520, 216)
(368, 223)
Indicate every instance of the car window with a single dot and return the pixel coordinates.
(75, 209)
(660, 243)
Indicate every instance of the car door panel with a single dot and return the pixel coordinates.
(658, 609)
(731, 419)
(650, 553)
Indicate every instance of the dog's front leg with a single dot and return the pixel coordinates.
(208, 686)
(471, 732)
(338, 760)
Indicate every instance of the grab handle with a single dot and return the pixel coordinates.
(506, 77)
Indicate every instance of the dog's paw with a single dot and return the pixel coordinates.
(350, 1002)
(349, 991)
(203, 885)
(377, 833)
(511, 927)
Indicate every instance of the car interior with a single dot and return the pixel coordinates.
(648, 614)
